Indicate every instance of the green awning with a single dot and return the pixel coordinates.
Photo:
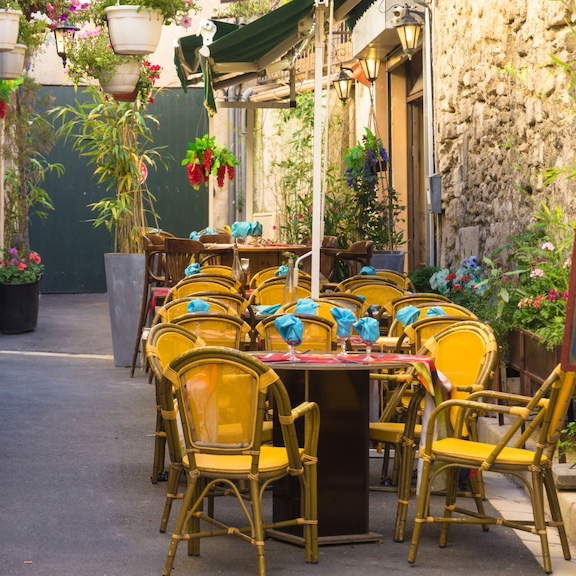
(240, 51)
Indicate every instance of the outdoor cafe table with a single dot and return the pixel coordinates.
(340, 387)
(260, 255)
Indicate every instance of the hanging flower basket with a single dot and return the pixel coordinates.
(9, 26)
(12, 63)
(134, 31)
(205, 158)
(124, 79)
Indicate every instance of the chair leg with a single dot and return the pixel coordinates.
(451, 495)
(309, 484)
(180, 524)
(141, 322)
(556, 511)
(421, 511)
(540, 519)
(258, 536)
(174, 475)
(404, 486)
(476, 483)
(158, 472)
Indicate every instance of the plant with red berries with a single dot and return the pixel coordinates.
(205, 157)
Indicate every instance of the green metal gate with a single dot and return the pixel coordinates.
(71, 249)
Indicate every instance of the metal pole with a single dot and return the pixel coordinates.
(317, 215)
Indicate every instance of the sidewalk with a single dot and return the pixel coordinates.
(75, 494)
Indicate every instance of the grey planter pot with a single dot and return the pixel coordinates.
(124, 282)
(388, 260)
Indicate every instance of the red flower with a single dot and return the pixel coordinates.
(451, 276)
(34, 256)
(221, 175)
(207, 161)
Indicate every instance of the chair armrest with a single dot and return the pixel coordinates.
(312, 431)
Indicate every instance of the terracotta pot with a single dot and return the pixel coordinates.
(12, 63)
(9, 26)
(134, 32)
(130, 97)
(124, 80)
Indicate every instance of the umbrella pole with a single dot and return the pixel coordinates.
(317, 150)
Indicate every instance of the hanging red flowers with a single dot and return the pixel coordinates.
(205, 157)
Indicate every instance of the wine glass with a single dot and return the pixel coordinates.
(342, 337)
(245, 265)
(291, 354)
(368, 357)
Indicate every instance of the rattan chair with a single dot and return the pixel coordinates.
(222, 397)
(350, 283)
(319, 334)
(198, 283)
(467, 354)
(273, 293)
(398, 278)
(217, 329)
(540, 417)
(163, 344)
(358, 305)
(179, 307)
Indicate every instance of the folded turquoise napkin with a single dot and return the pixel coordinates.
(290, 329)
(344, 319)
(367, 271)
(282, 271)
(195, 235)
(197, 305)
(368, 329)
(267, 309)
(256, 229)
(306, 306)
(436, 311)
(241, 229)
(408, 315)
(192, 269)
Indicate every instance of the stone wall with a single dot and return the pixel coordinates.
(502, 115)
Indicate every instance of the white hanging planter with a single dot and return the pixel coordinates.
(9, 26)
(12, 63)
(124, 80)
(134, 32)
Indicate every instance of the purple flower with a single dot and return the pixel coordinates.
(13, 251)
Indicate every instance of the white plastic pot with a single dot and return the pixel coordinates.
(12, 63)
(124, 80)
(134, 32)
(9, 26)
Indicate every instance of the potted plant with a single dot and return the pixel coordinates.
(10, 14)
(20, 275)
(378, 207)
(28, 137)
(90, 56)
(204, 158)
(116, 139)
(135, 26)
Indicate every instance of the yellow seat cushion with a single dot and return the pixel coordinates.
(272, 459)
(478, 452)
(390, 432)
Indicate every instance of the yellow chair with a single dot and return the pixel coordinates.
(212, 277)
(222, 400)
(199, 284)
(350, 283)
(467, 354)
(541, 418)
(323, 310)
(179, 307)
(216, 269)
(165, 342)
(415, 299)
(179, 253)
(236, 302)
(273, 293)
(358, 305)
(269, 274)
(397, 278)
(318, 334)
(216, 329)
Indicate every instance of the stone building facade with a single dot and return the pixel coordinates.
(502, 113)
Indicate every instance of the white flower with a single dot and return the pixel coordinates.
(537, 273)
(547, 246)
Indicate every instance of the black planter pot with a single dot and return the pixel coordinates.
(19, 307)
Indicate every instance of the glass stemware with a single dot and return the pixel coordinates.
(342, 344)
(291, 354)
(368, 357)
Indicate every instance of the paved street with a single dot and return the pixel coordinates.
(76, 456)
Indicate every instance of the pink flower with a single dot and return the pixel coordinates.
(22, 266)
(547, 246)
(35, 258)
(537, 273)
(186, 22)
